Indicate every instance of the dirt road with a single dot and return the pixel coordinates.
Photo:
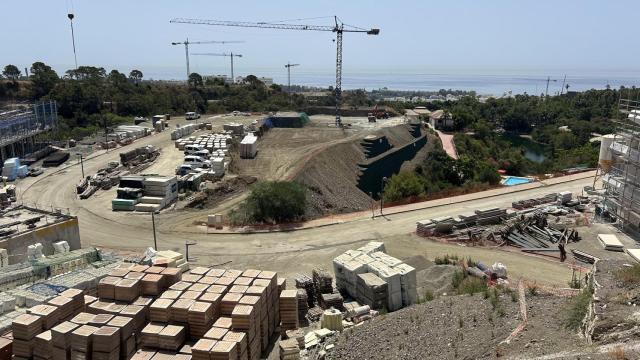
(286, 252)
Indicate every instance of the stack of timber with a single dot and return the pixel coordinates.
(533, 234)
(529, 203)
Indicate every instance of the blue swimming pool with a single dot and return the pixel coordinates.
(515, 180)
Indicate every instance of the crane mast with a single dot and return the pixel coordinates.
(186, 48)
(338, 28)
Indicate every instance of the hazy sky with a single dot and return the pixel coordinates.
(491, 36)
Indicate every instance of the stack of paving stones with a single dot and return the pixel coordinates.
(25, 328)
(143, 312)
(323, 281)
(289, 309)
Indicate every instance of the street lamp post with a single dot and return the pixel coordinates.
(153, 223)
(81, 164)
(383, 181)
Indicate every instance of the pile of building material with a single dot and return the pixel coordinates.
(305, 282)
(217, 144)
(159, 191)
(289, 309)
(529, 203)
(400, 279)
(234, 128)
(372, 291)
(184, 130)
(12, 169)
(136, 157)
(122, 132)
(610, 242)
(303, 305)
(464, 223)
(249, 147)
(7, 196)
(322, 281)
(145, 193)
(532, 233)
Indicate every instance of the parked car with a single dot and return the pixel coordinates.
(184, 169)
(197, 161)
(193, 149)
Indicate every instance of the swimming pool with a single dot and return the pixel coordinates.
(515, 180)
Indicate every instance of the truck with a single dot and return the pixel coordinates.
(192, 115)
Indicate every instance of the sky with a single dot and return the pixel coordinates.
(416, 37)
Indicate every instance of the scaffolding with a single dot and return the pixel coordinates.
(622, 180)
(17, 125)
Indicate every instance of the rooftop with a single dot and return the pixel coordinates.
(20, 219)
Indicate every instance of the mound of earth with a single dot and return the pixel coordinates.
(332, 174)
(467, 327)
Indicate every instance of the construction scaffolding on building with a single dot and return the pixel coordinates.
(620, 163)
(19, 127)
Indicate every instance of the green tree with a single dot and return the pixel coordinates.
(276, 201)
(43, 79)
(11, 72)
(195, 80)
(403, 185)
(136, 75)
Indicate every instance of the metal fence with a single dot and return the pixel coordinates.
(16, 125)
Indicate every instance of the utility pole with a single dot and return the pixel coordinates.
(73, 39)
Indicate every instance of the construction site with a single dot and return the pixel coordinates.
(125, 247)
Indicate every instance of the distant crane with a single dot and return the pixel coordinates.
(231, 55)
(338, 28)
(289, 66)
(186, 44)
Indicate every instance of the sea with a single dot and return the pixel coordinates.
(497, 83)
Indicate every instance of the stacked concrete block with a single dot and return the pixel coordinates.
(289, 309)
(408, 283)
(372, 291)
(371, 258)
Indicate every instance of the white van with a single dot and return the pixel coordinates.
(197, 161)
(192, 115)
(193, 149)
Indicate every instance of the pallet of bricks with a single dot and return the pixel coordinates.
(75, 325)
(225, 314)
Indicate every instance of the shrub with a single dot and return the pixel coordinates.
(428, 296)
(577, 309)
(458, 277)
(629, 275)
(403, 185)
(274, 202)
(471, 285)
(446, 260)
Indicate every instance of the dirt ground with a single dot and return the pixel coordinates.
(469, 327)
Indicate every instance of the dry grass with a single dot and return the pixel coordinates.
(629, 275)
(618, 353)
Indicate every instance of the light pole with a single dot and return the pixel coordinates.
(153, 223)
(81, 164)
(382, 182)
(73, 39)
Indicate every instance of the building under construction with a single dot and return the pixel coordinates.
(18, 128)
(620, 162)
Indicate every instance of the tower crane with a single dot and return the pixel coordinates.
(186, 44)
(338, 28)
(289, 66)
(231, 55)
